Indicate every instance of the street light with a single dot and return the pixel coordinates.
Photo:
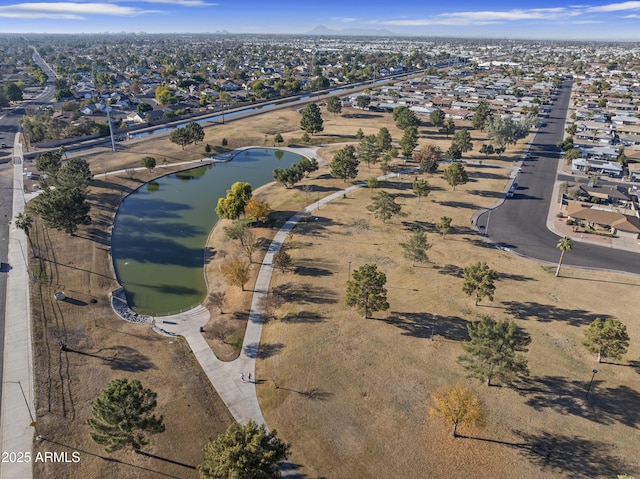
(594, 371)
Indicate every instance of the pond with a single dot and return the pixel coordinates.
(161, 229)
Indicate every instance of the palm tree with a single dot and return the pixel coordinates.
(24, 222)
(563, 245)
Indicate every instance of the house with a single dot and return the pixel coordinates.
(602, 167)
(612, 222)
(611, 195)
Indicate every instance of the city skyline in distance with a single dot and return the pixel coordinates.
(549, 20)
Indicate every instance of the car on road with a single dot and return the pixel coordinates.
(514, 186)
(510, 193)
(4, 145)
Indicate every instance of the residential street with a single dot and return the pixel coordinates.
(520, 223)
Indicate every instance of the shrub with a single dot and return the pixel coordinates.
(570, 222)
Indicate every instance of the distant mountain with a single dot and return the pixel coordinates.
(352, 32)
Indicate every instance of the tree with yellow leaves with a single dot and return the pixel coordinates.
(236, 272)
(458, 406)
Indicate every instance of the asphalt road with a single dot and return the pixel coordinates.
(520, 222)
(6, 207)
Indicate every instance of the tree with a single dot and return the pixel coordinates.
(427, 157)
(244, 451)
(416, 248)
(311, 121)
(278, 138)
(479, 281)
(149, 162)
(257, 209)
(164, 95)
(448, 127)
(458, 406)
(373, 182)
(462, 139)
(195, 132)
(409, 141)
(236, 272)
(384, 206)
(480, 116)
(363, 101)
(144, 107)
(180, 136)
(232, 206)
(288, 176)
(608, 338)
(12, 92)
(282, 260)
(491, 351)
(308, 165)
(404, 117)
(384, 139)
(486, 150)
(23, 221)
(563, 245)
(344, 164)
(453, 153)
(368, 149)
(366, 291)
(444, 225)
(122, 414)
(49, 162)
(334, 105)
(455, 175)
(62, 209)
(218, 300)
(420, 188)
(359, 134)
(572, 154)
(437, 117)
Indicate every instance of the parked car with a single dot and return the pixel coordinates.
(4, 145)
(510, 193)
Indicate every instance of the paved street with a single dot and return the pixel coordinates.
(520, 222)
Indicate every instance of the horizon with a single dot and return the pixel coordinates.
(497, 20)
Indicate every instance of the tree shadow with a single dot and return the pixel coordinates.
(515, 277)
(571, 456)
(459, 204)
(547, 312)
(304, 270)
(450, 270)
(123, 358)
(268, 350)
(305, 293)
(486, 175)
(425, 325)
(303, 317)
(569, 397)
(170, 461)
(487, 193)
(73, 301)
(313, 393)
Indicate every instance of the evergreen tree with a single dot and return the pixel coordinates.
(420, 188)
(444, 225)
(404, 118)
(409, 141)
(311, 121)
(479, 281)
(366, 291)
(455, 174)
(491, 351)
(149, 162)
(368, 149)
(437, 117)
(462, 139)
(122, 414)
(448, 127)
(480, 116)
(243, 452)
(384, 139)
(345, 164)
(384, 206)
(334, 105)
(416, 248)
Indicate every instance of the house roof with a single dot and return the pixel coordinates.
(603, 217)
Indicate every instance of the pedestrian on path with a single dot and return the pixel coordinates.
(249, 377)
(242, 376)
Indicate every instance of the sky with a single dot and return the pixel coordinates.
(542, 19)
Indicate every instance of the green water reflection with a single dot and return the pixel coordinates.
(161, 229)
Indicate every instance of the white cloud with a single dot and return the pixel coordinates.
(615, 7)
(67, 10)
(183, 3)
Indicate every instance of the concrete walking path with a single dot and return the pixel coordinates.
(18, 410)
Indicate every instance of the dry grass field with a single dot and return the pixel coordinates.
(351, 395)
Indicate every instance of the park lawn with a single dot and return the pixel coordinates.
(102, 347)
(353, 395)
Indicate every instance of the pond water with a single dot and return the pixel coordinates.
(161, 229)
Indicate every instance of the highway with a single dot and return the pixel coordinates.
(520, 223)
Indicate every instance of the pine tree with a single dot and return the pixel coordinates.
(491, 351)
(311, 121)
(366, 291)
(479, 281)
(122, 414)
(416, 248)
(384, 206)
(244, 451)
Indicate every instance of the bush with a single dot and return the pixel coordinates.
(570, 222)
(224, 142)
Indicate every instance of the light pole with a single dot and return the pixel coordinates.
(594, 371)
